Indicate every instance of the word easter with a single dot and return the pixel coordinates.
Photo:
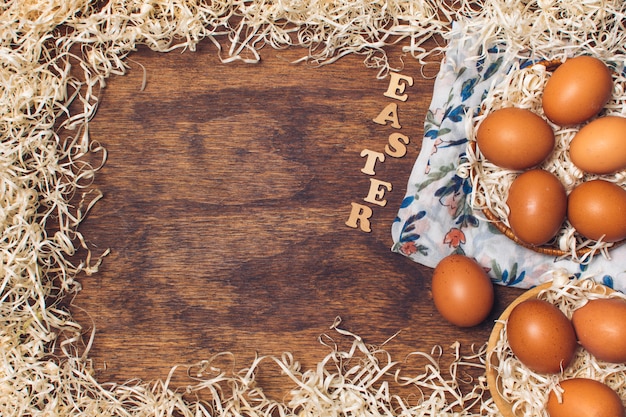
(395, 147)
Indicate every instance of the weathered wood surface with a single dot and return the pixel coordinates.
(226, 194)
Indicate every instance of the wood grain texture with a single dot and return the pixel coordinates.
(226, 192)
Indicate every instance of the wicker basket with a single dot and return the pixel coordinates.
(546, 249)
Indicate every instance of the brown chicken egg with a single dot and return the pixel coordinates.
(462, 291)
(597, 209)
(577, 90)
(515, 138)
(541, 336)
(600, 326)
(537, 204)
(600, 146)
(584, 397)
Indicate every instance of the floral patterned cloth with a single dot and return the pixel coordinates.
(435, 219)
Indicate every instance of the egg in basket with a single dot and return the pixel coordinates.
(547, 157)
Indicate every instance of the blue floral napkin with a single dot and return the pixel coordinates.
(435, 219)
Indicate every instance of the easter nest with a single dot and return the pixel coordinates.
(519, 391)
(522, 87)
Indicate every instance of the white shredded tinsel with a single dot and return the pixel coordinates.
(55, 59)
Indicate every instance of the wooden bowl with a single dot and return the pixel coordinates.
(493, 380)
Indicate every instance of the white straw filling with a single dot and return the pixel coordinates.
(55, 58)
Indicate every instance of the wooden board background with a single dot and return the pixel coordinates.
(227, 189)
